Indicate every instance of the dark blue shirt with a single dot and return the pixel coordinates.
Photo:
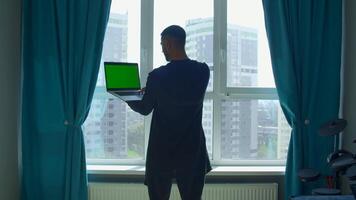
(175, 92)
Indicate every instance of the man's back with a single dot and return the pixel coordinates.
(176, 130)
(176, 93)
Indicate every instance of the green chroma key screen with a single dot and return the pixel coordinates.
(122, 76)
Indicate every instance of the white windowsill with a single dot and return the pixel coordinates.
(217, 171)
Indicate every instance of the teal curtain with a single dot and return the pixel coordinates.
(305, 44)
(62, 45)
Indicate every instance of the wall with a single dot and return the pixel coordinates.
(10, 11)
(350, 74)
(349, 102)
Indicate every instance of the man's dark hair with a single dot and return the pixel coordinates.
(175, 32)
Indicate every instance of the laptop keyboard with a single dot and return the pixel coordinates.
(128, 93)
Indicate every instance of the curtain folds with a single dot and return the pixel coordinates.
(305, 44)
(62, 45)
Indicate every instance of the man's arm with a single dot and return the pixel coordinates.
(146, 105)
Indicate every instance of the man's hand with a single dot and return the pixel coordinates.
(142, 91)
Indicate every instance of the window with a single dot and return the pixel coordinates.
(242, 118)
(248, 58)
(255, 132)
(121, 133)
(253, 128)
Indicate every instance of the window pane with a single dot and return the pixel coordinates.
(112, 130)
(253, 130)
(198, 24)
(248, 57)
(208, 125)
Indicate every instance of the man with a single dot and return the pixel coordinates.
(176, 147)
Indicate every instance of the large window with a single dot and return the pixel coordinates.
(242, 118)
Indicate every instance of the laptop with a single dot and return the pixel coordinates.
(123, 80)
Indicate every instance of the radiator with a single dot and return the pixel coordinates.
(127, 191)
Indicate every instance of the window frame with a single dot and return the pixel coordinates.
(220, 89)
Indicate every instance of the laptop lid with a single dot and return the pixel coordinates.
(121, 76)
